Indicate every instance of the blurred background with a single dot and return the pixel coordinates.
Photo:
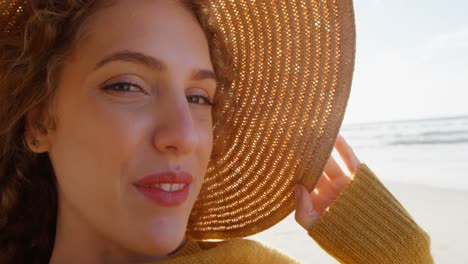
(407, 119)
(409, 100)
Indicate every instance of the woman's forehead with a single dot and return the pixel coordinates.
(164, 31)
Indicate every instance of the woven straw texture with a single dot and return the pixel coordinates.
(293, 62)
(10, 13)
(289, 65)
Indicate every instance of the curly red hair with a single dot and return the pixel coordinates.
(33, 52)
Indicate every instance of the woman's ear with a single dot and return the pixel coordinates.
(36, 135)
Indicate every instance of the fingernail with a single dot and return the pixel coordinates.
(298, 192)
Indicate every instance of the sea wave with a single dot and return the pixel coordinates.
(452, 130)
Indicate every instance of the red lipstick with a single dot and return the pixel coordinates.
(170, 188)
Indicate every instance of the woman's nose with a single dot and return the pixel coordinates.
(175, 131)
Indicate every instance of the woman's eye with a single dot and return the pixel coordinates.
(199, 99)
(131, 87)
(123, 87)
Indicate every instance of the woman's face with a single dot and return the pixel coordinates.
(131, 103)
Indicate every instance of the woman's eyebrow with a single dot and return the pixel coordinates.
(133, 56)
(201, 74)
(151, 62)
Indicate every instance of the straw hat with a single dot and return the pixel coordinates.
(288, 66)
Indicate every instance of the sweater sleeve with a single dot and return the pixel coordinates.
(366, 224)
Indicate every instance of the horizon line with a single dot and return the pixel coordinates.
(407, 120)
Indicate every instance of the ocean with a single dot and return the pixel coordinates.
(430, 152)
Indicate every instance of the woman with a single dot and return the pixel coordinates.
(134, 131)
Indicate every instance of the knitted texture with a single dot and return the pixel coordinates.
(230, 251)
(366, 224)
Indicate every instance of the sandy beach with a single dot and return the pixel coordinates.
(440, 212)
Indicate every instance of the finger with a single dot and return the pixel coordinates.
(333, 170)
(350, 159)
(341, 184)
(320, 205)
(305, 214)
(325, 190)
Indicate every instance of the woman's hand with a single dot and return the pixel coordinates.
(333, 181)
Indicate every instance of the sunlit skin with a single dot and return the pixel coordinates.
(109, 134)
(133, 100)
(311, 206)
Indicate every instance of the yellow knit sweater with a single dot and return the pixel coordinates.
(366, 224)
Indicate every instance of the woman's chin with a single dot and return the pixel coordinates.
(164, 241)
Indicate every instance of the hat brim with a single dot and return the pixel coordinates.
(292, 64)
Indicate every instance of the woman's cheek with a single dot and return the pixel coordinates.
(121, 125)
(204, 125)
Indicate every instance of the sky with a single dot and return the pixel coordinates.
(411, 60)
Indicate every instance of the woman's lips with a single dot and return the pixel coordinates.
(168, 189)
